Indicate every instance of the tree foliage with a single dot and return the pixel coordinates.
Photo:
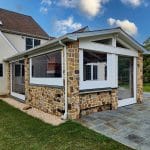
(146, 65)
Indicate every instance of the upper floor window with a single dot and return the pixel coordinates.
(30, 43)
(1, 70)
(95, 66)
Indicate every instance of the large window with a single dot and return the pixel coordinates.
(1, 70)
(30, 43)
(95, 66)
(47, 69)
(47, 66)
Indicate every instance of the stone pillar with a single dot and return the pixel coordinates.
(27, 78)
(73, 80)
(140, 78)
(114, 99)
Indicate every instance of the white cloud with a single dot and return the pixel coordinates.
(91, 7)
(126, 25)
(64, 26)
(134, 3)
(46, 2)
(44, 10)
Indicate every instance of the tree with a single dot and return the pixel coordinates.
(146, 63)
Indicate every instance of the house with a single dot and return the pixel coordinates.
(79, 73)
(18, 33)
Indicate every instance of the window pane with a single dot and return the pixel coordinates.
(125, 77)
(29, 43)
(36, 42)
(87, 72)
(48, 65)
(98, 65)
(1, 70)
(95, 73)
(17, 70)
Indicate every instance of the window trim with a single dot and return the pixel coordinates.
(33, 42)
(1, 76)
(47, 81)
(111, 81)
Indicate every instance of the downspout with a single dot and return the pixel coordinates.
(65, 116)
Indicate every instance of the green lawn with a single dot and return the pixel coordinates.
(146, 87)
(18, 131)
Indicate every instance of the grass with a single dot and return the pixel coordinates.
(19, 131)
(146, 87)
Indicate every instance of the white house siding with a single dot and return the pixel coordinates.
(19, 41)
(7, 50)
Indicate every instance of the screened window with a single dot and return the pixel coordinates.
(95, 66)
(47, 66)
(1, 70)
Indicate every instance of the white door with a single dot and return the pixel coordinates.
(126, 80)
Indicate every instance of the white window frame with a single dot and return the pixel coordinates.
(47, 81)
(33, 44)
(96, 84)
(131, 100)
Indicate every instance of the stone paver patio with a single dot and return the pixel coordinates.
(129, 125)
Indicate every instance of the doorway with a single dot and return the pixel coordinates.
(126, 80)
(18, 79)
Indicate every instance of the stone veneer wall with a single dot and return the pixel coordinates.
(98, 101)
(140, 78)
(73, 80)
(46, 98)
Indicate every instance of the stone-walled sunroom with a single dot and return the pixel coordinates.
(79, 73)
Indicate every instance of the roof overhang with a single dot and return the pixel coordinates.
(75, 36)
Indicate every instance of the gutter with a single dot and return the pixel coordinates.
(65, 116)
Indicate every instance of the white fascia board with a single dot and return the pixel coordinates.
(111, 31)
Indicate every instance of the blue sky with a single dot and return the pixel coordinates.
(57, 17)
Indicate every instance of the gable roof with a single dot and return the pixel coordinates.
(75, 36)
(16, 23)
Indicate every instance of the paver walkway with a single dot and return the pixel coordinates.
(129, 125)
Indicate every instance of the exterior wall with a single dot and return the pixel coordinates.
(46, 98)
(99, 101)
(73, 80)
(19, 41)
(140, 78)
(6, 50)
(51, 99)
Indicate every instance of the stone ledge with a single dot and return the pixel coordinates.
(49, 86)
(88, 91)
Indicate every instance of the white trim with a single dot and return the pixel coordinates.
(126, 102)
(42, 53)
(94, 84)
(47, 81)
(106, 48)
(20, 96)
(17, 95)
(133, 100)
